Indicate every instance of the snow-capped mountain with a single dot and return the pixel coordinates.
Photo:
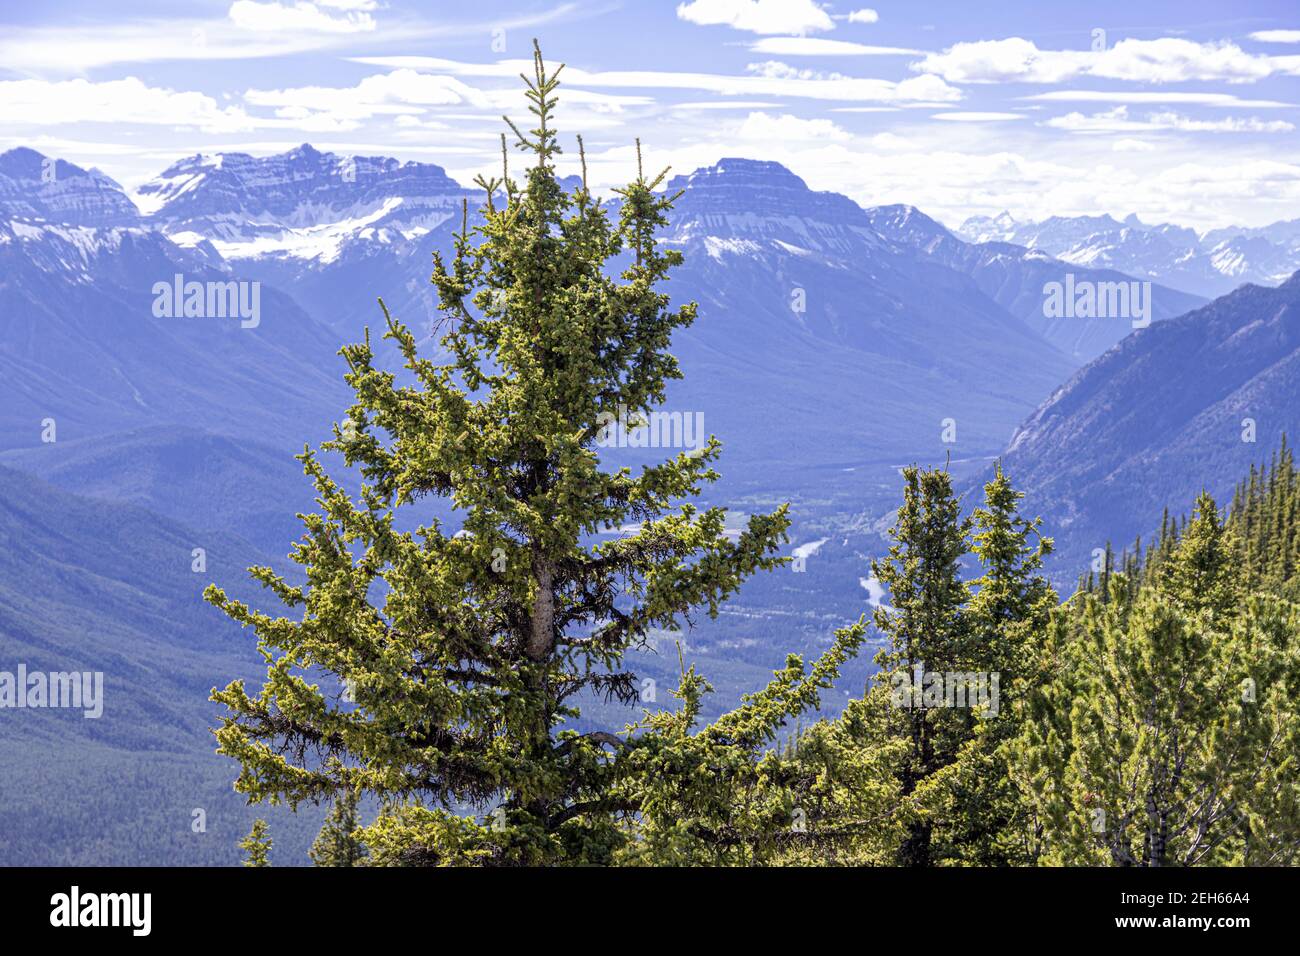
(749, 201)
(1207, 265)
(303, 204)
(33, 186)
(789, 277)
(1017, 278)
(804, 305)
(85, 343)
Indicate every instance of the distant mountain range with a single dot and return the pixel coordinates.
(809, 306)
(834, 345)
(1207, 264)
(1016, 277)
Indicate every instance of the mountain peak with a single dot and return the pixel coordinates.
(903, 223)
(36, 186)
(25, 163)
(21, 162)
(303, 202)
(750, 197)
(734, 172)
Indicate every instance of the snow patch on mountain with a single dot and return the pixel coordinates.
(1209, 264)
(324, 242)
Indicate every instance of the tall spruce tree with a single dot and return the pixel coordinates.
(928, 631)
(468, 655)
(980, 816)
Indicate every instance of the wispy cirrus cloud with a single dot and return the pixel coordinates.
(401, 92)
(1164, 60)
(1177, 97)
(352, 16)
(1118, 120)
(771, 82)
(975, 116)
(821, 46)
(250, 30)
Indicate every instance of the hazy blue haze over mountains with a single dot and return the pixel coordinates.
(1207, 265)
(177, 433)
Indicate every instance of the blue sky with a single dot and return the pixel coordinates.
(1183, 111)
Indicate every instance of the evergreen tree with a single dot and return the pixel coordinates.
(337, 844)
(723, 794)
(980, 816)
(1201, 573)
(927, 630)
(468, 654)
(1167, 729)
(257, 845)
(1265, 521)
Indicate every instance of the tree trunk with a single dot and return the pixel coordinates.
(541, 635)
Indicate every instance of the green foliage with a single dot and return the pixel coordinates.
(979, 815)
(1265, 519)
(1166, 732)
(721, 795)
(338, 843)
(257, 845)
(928, 626)
(465, 656)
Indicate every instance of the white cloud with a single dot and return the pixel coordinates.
(918, 89)
(1276, 36)
(398, 92)
(891, 141)
(1164, 60)
(776, 70)
(73, 49)
(1001, 61)
(865, 15)
(972, 116)
(758, 16)
(820, 46)
(723, 105)
(1133, 146)
(275, 17)
(1118, 120)
(410, 93)
(1122, 96)
(129, 100)
(765, 128)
